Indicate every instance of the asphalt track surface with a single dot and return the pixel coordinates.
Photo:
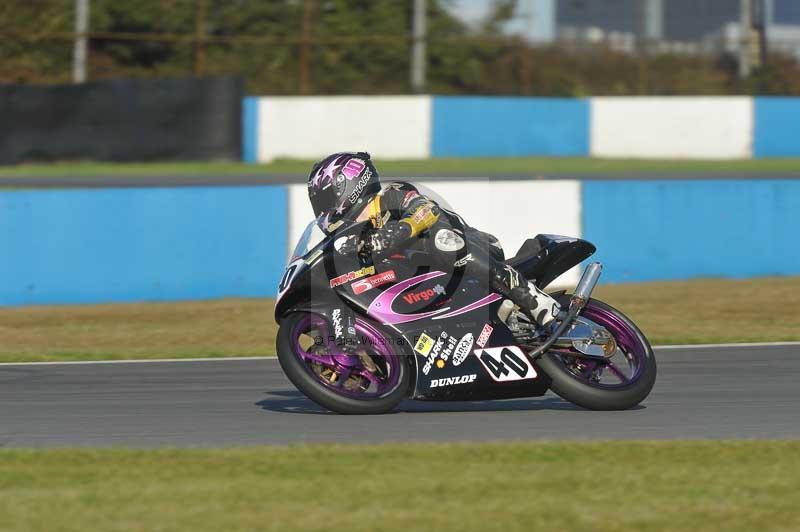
(702, 392)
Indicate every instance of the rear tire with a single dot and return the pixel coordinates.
(300, 375)
(566, 385)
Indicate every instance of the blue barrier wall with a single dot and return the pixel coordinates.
(87, 246)
(492, 126)
(654, 230)
(466, 126)
(250, 117)
(777, 127)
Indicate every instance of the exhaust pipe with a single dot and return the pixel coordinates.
(586, 285)
(579, 299)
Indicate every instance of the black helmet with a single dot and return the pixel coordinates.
(337, 183)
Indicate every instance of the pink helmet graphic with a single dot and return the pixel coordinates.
(338, 182)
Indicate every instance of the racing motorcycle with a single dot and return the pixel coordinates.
(432, 334)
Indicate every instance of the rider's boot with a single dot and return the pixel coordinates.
(539, 306)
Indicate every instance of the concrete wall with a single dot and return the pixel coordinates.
(672, 128)
(492, 126)
(661, 230)
(511, 210)
(418, 127)
(777, 127)
(92, 246)
(389, 127)
(89, 246)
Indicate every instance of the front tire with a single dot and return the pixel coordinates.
(319, 371)
(579, 385)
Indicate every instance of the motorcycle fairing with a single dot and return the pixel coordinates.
(545, 257)
(450, 378)
(454, 316)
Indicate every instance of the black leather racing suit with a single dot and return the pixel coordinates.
(399, 212)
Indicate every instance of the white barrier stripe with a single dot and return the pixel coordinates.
(275, 359)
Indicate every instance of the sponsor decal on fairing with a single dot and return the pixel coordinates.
(314, 256)
(484, 336)
(336, 317)
(359, 287)
(381, 307)
(460, 263)
(462, 349)
(423, 295)
(449, 381)
(424, 344)
(440, 351)
(352, 276)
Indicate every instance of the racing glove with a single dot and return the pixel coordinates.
(388, 238)
(379, 241)
(347, 245)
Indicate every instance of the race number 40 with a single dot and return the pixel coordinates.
(506, 364)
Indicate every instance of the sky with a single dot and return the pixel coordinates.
(534, 18)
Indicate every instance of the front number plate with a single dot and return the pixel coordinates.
(506, 364)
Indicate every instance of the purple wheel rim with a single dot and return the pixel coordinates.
(633, 352)
(325, 355)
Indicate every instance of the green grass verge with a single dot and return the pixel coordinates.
(611, 486)
(489, 166)
(680, 312)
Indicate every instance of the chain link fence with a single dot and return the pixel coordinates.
(513, 47)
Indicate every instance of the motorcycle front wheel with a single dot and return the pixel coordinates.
(372, 379)
(617, 383)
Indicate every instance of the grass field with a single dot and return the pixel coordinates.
(487, 166)
(701, 311)
(602, 486)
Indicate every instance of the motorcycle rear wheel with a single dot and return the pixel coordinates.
(336, 379)
(604, 385)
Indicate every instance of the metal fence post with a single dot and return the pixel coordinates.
(80, 50)
(418, 46)
(745, 28)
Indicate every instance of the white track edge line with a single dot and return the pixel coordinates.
(273, 358)
(135, 361)
(744, 344)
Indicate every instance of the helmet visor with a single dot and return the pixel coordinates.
(324, 200)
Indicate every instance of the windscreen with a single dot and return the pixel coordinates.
(428, 192)
(312, 235)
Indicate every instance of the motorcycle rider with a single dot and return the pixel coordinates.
(345, 186)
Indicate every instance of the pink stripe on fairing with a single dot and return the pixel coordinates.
(491, 298)
(381, 306)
